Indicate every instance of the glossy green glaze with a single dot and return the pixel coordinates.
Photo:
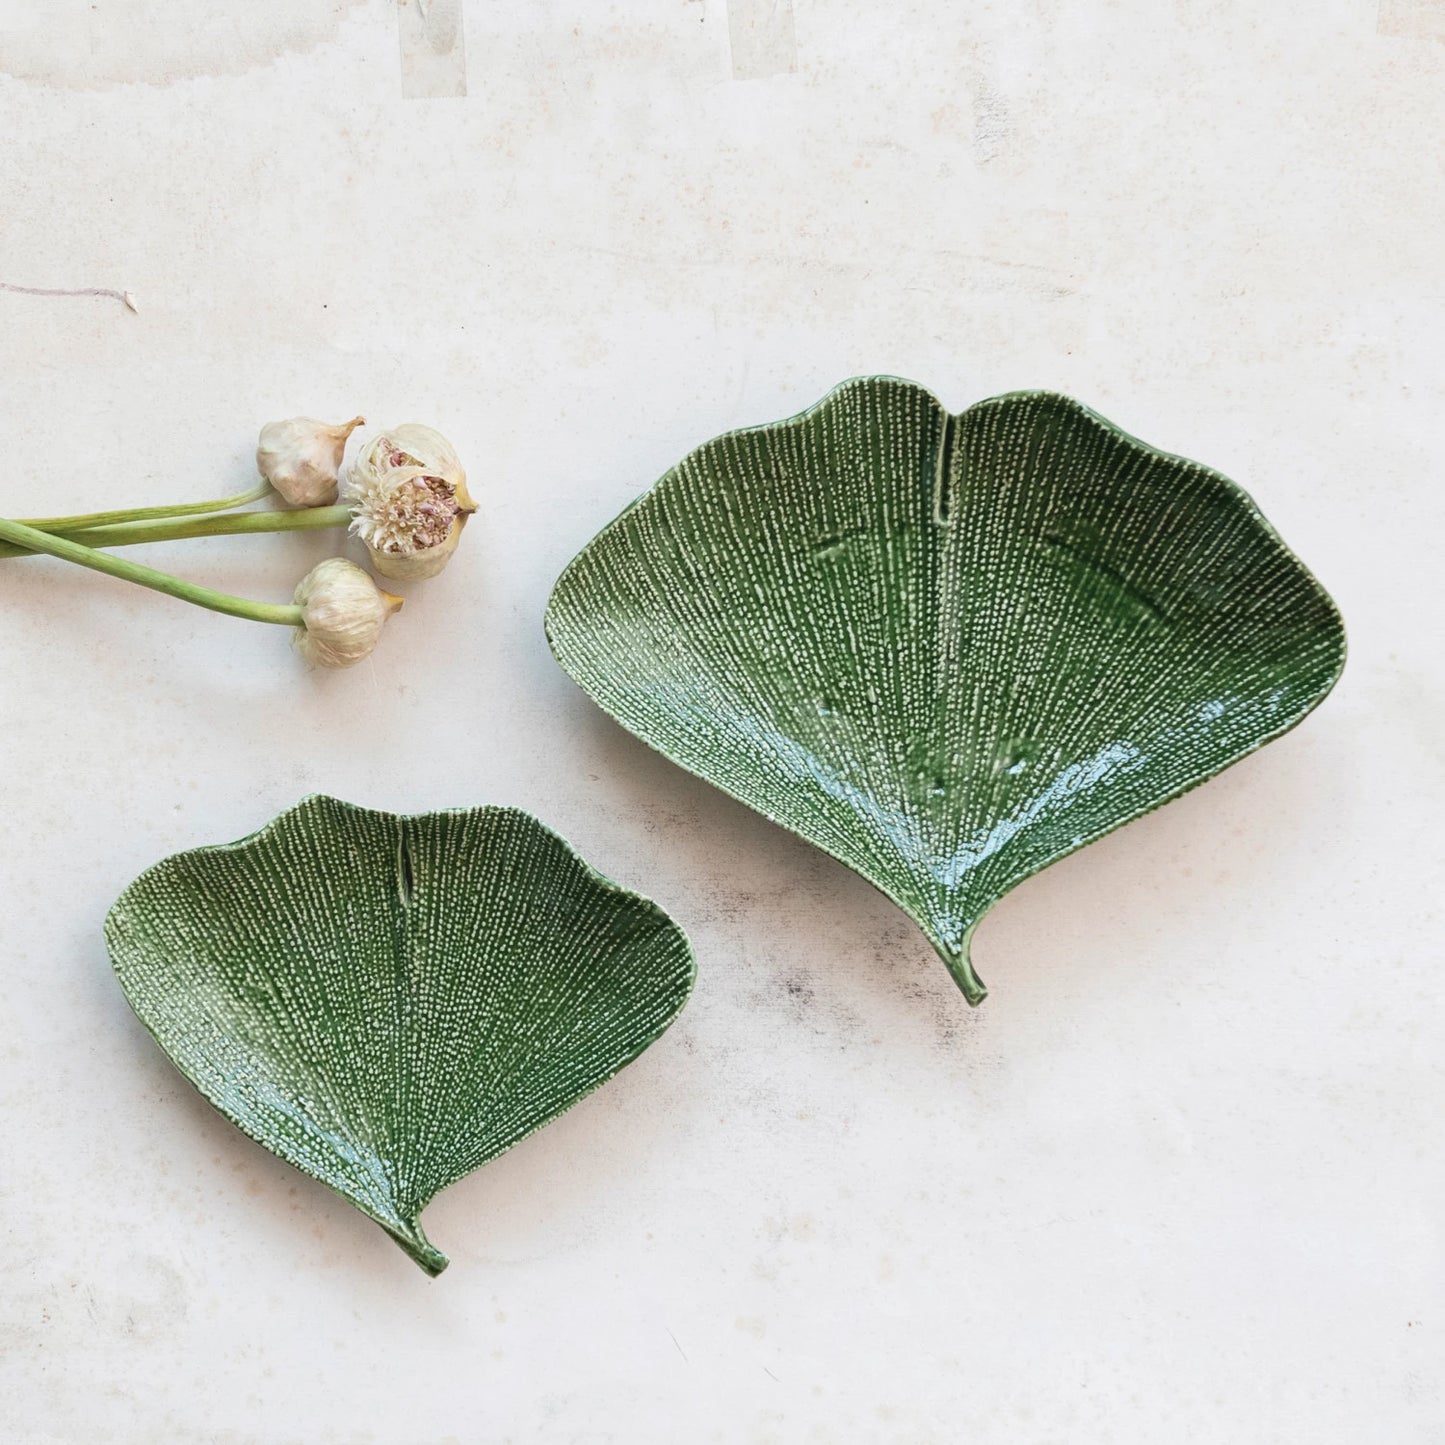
(948, 650)
(389, 1002)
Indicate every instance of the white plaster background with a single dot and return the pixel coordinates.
(1180, 1178)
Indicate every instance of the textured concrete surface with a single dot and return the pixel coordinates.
(1180, 1178)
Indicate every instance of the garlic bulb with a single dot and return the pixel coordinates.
(301, 458)
(342, 613)
(410, 502)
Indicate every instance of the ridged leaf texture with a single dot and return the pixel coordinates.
(389, 1002)
(947, 649)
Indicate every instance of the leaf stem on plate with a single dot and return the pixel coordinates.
(410, 1237)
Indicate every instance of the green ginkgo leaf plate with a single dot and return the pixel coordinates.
(948, 650)
(389, 1002)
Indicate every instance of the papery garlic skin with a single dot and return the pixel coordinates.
(301, 458)
(343, 612)
(409, 497)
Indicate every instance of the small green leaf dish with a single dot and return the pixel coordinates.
(948, 650)
(390, 1002)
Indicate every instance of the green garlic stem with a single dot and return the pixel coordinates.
(72, 551)
(129, 534)
(145, 514)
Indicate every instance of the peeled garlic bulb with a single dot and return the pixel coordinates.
(410, 502)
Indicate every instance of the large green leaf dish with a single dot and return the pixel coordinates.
(389, 1002)
(948, 650)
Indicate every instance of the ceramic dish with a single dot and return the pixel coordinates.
(389, 1002)
(947, 649)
